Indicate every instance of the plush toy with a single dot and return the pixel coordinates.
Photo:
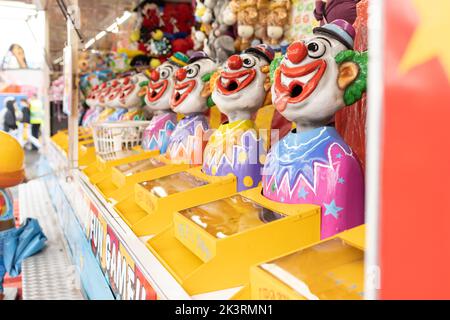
(314, 165)
(191, 97)
(277, 20)
(83, 62)
(198, 38)
(159, 45)
(13, 249)
(261, 27)
(239, 91)
(157, 97)
(119, 62)
(182, 45)
(219, 45)
(178, 18)
(229, 13)
(247, 18)
(151, 16)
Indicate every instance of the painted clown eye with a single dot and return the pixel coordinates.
(248, 62)
(316, 49)
(164, 73)
(192, 70)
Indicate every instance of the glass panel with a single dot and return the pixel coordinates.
(140, 166)
(230, 216)
(173, 183)
(329, 270)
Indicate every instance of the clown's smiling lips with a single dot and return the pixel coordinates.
(181, 91)
(126, 92)
(156, 90)
(295, 84)
(232, 82)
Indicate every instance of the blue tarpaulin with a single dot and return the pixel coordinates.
(25, 241)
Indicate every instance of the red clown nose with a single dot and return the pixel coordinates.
(234, 62)
(181, 74)
(297, 52)
(154, 75)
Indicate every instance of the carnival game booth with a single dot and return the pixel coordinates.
(199, 191)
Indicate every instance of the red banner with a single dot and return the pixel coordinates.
(415, 155)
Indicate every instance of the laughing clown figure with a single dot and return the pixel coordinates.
(240, 90)
(157, 97)
(131, 99)
(314, 165)
(113, 99)
(191, 97)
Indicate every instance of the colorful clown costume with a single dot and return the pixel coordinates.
(235, 148)
(188, 139)
(317, 167)
(159, 131)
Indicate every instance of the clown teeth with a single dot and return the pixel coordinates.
(224, 81)
(242, 79)
(181, 91)
(304, 79)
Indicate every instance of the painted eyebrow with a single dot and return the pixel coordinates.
(169, 66)
(329, 42)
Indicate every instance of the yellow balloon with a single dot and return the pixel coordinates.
(12, 155)
(155, 63)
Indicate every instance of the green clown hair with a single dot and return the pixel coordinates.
(274, 66)
(356, 89)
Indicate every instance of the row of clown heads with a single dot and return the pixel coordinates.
(308, 85)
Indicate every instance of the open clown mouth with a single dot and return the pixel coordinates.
(232, 82)
(104, 94)
(293, 85)
(126, 92)
(156, 90)
(181, 91)
(114, 94)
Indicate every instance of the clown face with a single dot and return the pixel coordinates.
(240, 88)
(113, 99)
(160, 87)
(129, 97)
(104, 91)
(191, 92)
(305, 88)
(92, 98)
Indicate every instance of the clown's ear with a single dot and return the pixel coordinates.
(206, 92)
(348, 72)
(267, 83)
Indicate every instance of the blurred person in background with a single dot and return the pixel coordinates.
(36, 117)
(9, 118)
(329, 10)
(24, 125)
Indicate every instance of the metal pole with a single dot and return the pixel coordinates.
(72, 46)
(374, 137)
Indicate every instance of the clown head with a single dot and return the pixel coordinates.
(113, 99)
(104, 91)
(129, 95)
(161, 83)
(243, 83)
(313, 80)
(92, 98)
(191, 90)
